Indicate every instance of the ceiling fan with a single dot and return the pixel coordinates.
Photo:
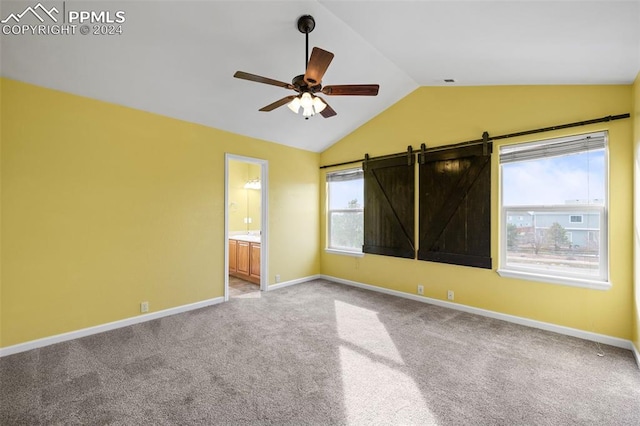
(310, 83)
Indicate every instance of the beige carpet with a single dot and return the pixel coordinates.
(322, 353)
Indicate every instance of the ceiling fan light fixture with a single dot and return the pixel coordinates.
(294, 105)
(318, 105)
(310, 105)
(307, 112)
(306, 101)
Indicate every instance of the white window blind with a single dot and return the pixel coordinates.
(551, 148)
(345, 175)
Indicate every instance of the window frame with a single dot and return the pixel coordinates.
(341, 250)
(601, 282)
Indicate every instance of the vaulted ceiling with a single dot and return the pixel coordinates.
(178, 58)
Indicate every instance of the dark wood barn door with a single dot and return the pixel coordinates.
(455, 206)
(389, 212)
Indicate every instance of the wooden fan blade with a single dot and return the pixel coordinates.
(327, 111)
(259, 79)
(317, 66)
(352, 90)
(277, 104)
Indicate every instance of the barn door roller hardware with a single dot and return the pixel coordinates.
(485, 139)
(410, 156)
(485, 143)
(408, 153)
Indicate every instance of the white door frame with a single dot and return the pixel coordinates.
(264, 219)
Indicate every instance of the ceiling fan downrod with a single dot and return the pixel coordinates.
(306, 24)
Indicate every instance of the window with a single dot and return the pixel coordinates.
(561, 186)
(345, 212)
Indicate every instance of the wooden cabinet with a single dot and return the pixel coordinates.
(233, 257)
(254, 261)
(244, 260)
(243, 257)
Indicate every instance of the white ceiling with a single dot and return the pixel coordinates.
(177, 58)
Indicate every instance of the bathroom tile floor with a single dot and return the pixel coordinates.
(241, 288)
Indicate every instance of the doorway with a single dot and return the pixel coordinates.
(246, 226)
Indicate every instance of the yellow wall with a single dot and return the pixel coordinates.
(243, 202)
(446, 115)
(104, 207)
(636, 138)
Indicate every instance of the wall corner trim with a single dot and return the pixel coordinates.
(636, 354)
(568, 331)
(59, 338)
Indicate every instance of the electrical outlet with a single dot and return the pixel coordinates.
(420, 289)
(144, 307)
(450, 294)
(277, 278)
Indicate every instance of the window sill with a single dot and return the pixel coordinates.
(552, 279)
(344, 252)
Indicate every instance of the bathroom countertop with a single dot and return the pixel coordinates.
(246, 237)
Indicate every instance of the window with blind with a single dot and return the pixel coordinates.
(345, 211)
(554, 210)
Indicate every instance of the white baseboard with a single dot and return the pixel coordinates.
(58, 338)
(586, 335)
(293, 282)
(601, 338)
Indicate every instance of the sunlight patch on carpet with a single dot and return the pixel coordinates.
(362, 328)
(375, 387)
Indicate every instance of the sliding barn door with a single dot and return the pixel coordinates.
(455, 206)
(389, 191)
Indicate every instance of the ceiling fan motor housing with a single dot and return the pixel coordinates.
(306, 24)
(301, 85)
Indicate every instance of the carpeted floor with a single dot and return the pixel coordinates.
(322, 353)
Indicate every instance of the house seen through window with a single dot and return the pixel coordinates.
(554, 210)
(345, 212)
